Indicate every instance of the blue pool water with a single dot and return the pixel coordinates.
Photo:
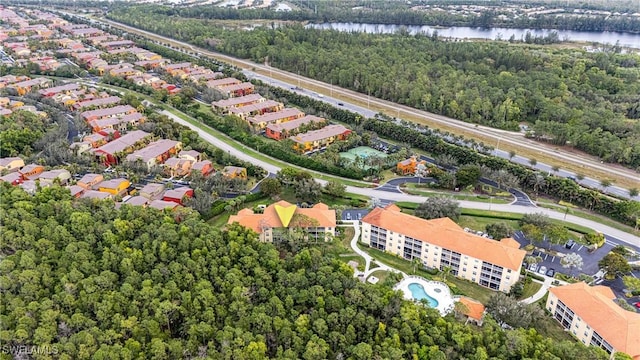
(418, 293)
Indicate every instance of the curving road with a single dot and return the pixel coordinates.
(499, 136)
(614, 236)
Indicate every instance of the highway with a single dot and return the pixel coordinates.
(499, 136)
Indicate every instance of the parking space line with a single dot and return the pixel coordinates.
(546, 256)
(581, 246)
(553, 259)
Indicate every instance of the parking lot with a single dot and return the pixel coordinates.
(354, 214)
(551, 261)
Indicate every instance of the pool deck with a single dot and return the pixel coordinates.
(444, 297)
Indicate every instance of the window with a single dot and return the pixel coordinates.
(464, 269)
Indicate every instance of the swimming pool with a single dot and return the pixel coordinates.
(418, 293)
(436, 294)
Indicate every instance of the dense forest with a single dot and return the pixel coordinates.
(89, 281)
(399, 13)
(589, 101)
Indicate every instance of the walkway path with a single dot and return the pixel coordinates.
(546, 285)
(367, 258)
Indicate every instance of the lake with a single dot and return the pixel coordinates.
(461, 32)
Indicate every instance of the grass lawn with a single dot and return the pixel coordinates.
(417, 189)
(479, 223)
(588, 215)
(530, 289)
(380, 274)
(347, 235)
(460, 286)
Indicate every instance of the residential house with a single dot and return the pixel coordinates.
(319, 222)
(50, 92)
(441, 243)
(221, 83)
(190, 155)
(111, 152)
(591, 315)
(89, 181)
(97, 195)
(26, 86)
(13, 178)
(31, 171)
(204, 167)
(256, 109)
(119, 124)
(80, 147)
(30, 186)
(11, 164)
(109, 112)
(409, 166)
(136, 201)
(96, 103)
(472, 309)
(118, 44)
(227, 104)
(115, 187)
(235, 90)
(162, 205)
(76, 191)
(178, 195)
(152, 191)
(287, 114)
(61, 176)
(177, 167)
(95, 139)
(286, 129)
(177, 69)
(318, 139)
(233, 172)
(156, 152)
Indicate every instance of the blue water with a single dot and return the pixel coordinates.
(418, 293)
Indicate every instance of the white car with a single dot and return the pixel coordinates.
(542, 270)
(533, 267)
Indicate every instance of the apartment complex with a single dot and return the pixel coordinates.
(318, 221)
(592, 316)
(441, 243)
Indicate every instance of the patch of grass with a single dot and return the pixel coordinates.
(467, 288)
(480, 223)
(590, 216)
(347, 235)
(381, 275)
(530, 289)
(417, 189)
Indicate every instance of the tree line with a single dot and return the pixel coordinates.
(91, 281)
(570, 98)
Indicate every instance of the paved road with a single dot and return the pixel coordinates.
(500, 136)
(614, 236)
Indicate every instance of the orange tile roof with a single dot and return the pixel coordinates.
(272, 219)
(445, 233)
(594, 304)
(475, 309)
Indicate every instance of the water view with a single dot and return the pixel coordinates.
(460, 32)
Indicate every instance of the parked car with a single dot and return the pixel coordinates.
(348, 216)
(533, 267)
(340, 104)
(569, 244)
(637, 304)
(359, 216)
(551, 272)
(542, 270)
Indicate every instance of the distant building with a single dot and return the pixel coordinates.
(88, 181)
(591, 315)
(283, 130)
(152, 191)
(156, 152)
(233, 172)
(318, 222)
(320, 139)
(31, 171)
(162, 204)
(409, 166)
(11, 164)
(178, 195)
(282, 116)
(116, 187)
(473, 310)
(204, 167)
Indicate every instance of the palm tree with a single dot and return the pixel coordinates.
(605, 184)
(555, 169)
(512, 154)
(538, 182)
(533, 162)
(416, 262)
(633, 192)
(445, 271)
(580, 176)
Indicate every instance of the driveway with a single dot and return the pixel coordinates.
(590, 259)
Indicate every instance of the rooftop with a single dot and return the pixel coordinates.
(274, 116)
(161, 204)
(247, 109)
(153, 150)
(238, 100)
(445, 233)
(121, 143)
(282, 214)
(294, 124)
(594, 304)
(112, 184)
(116, 110)
(324, 133)
(224, 81)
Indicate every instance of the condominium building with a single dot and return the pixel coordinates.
(591, 315)
(441, 243)
(318, 221)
